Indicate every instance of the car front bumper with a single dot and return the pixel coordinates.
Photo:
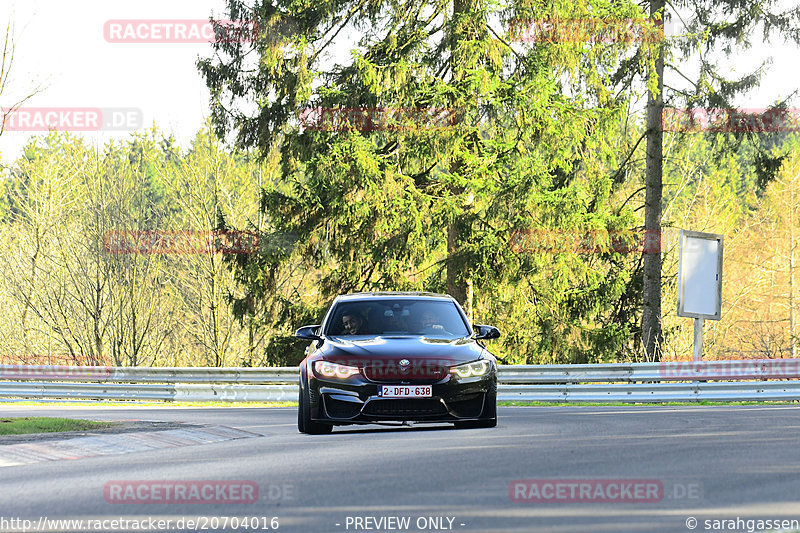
(356, 401)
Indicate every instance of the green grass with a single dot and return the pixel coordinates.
(37, 424)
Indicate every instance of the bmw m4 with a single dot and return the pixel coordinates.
(396, 357)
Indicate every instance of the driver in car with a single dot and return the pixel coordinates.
(353, 323)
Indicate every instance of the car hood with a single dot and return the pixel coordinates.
(360, 351)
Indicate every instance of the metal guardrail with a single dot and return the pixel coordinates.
(759, 380)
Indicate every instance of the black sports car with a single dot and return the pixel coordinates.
(393, 356)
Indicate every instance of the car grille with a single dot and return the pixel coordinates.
(405, 407)
(391, 372)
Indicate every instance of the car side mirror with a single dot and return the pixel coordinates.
(308, 333)
(486, 332)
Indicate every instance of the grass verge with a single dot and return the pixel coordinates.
(39, 424)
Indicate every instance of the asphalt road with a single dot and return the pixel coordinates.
(706, 463)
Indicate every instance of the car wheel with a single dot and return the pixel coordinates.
(304, 422)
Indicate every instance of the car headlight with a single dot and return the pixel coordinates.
(478, 368)
(332, 370)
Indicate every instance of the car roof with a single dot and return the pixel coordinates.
(358, 296)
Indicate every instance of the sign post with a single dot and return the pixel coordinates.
(698, 340)
(700, 281)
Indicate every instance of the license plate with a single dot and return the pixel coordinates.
(405, 391)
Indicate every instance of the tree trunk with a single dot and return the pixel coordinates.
(459, 285)
(459, 281)
(652, 336)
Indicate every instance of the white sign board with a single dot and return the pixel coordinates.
(700, 275)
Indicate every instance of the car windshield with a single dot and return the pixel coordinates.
(431, 318)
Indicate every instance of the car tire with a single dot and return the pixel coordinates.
(304, 422)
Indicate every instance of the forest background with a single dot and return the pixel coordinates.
(509, 167)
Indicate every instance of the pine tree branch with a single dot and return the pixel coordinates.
(630, 154)
(350, 15)
(682, 75)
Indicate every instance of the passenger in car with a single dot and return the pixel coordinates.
(393, 320)
(431, 325)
